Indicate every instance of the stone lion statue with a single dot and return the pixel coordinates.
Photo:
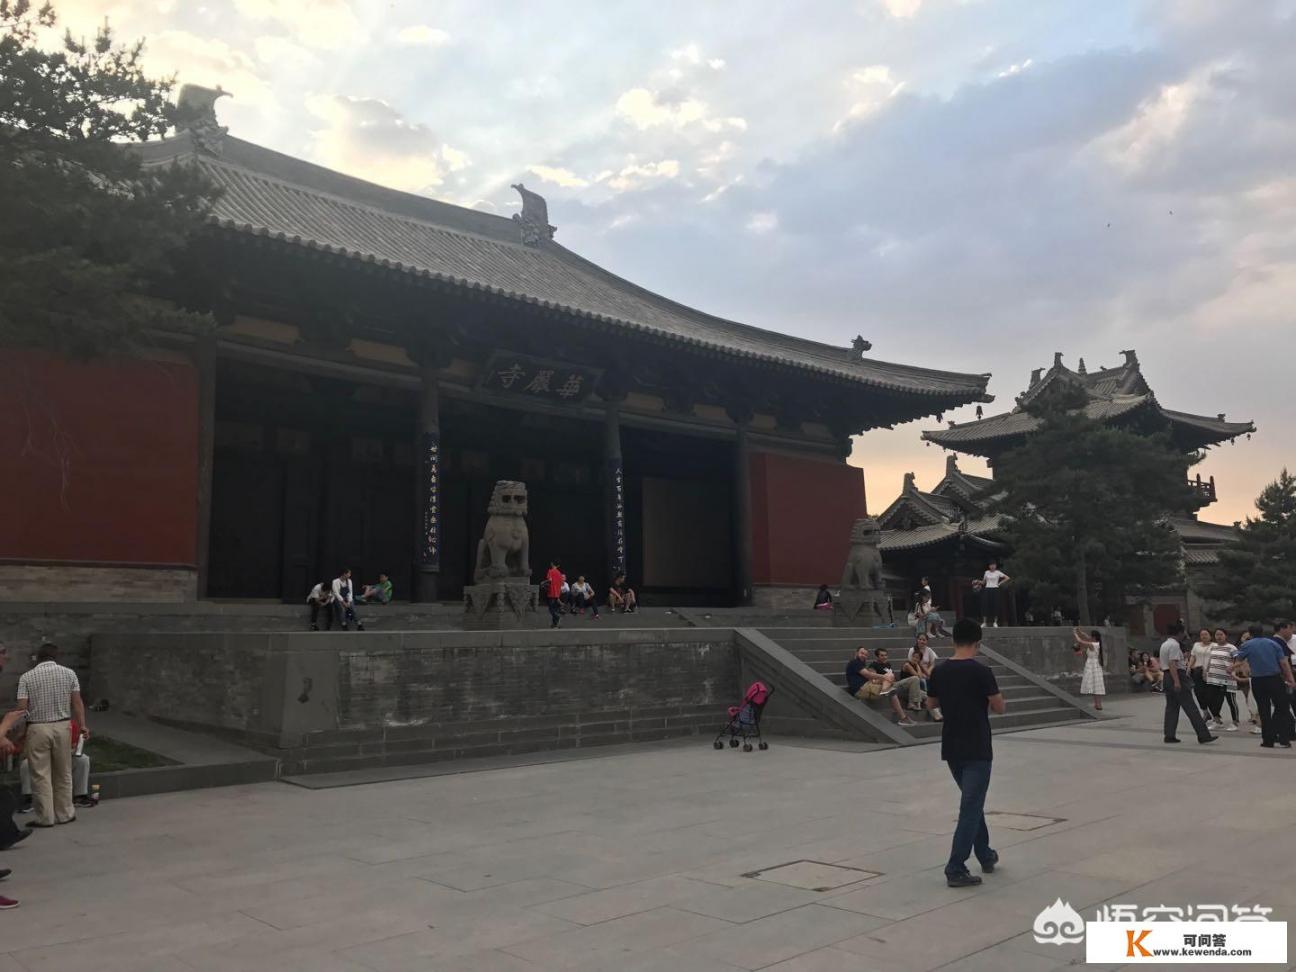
(863, 600)
(864, 564)
(504, 549)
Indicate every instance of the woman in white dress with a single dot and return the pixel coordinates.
(1091, 681)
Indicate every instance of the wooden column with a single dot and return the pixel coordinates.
(613, 491)
(427, 488)
(204, 356)
(742, 508)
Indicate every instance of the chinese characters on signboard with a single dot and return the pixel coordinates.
(617, 475)
(534, 378)
(430, 552)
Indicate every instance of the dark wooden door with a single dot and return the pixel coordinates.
(301, 518)
(247, 526)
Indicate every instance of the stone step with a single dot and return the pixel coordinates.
(1009, 720)
(1018, 689)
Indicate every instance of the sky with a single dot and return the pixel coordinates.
(970, 185)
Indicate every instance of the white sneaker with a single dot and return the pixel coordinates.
(995, 625)
(1256, 730)
(1230, 728)
(905, 721)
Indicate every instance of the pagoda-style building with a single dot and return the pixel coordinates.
(946, 535)
(948, 532)
(380, 360)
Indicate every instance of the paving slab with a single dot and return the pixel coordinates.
(644, 860)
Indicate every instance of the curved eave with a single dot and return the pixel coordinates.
(933, 400)
(1204, 430)
(897, 545)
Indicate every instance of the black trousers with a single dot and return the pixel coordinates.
(8, 829)
(990, 603)
(1275, 708)
(1199, 688)
(1181, 699)
(555, 610)
(1217, 695)
(316, 607)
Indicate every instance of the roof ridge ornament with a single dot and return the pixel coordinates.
(859, 347)
(534, 218)
(196, 114)
(1131, 359)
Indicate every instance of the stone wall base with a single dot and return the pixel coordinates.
(784, 597)
(95, 582)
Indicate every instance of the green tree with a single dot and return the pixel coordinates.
(1085, 509)
(86, 232)
(1256, 579)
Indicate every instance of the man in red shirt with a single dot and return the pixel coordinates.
(553, 591)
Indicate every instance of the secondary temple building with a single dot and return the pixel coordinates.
(381, 360)
(949, 533)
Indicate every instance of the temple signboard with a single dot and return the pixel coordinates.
(554, 381)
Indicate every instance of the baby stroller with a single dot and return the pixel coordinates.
(744, 720)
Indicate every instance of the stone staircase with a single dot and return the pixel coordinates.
(1032, 701)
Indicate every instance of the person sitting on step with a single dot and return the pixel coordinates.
(868, 680)
(621, 597)
(582, 597)
(379, 592)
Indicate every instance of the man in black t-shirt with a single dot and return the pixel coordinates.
(967, 693)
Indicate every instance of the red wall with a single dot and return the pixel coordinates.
(802, 512)
(98, 461)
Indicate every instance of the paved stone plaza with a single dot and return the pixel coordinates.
(644, 861)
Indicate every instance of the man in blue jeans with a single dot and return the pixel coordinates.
(966, 692)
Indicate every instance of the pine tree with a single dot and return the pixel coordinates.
(1086, 506)
(85, 231)
(1255, 580)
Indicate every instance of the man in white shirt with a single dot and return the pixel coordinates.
(319, 599)
(1178, 691)
(344, 601)
(991, 581)
(50, 695)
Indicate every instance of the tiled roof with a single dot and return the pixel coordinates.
(1199, 557)
(1217, 427)
(274, 195)
(1199, 531)
(1020, 423)
(896, 541)
(1112, 392)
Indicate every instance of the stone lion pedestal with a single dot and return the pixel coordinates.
(501, 605)
(502, 595)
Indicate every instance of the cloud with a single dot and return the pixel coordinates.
(211, 62)
(763, 223)
(646, 109)
(902, 9)
(327, 24)
(558, 176)
(636, 175)
(369, 138)
(424, 35)
(870, 88)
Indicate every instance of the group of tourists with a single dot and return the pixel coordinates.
(871, 677)
(337, 600)
(1214, 671)
(567, 598)
(47, 728)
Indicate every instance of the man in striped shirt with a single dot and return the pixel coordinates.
(50, 694)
